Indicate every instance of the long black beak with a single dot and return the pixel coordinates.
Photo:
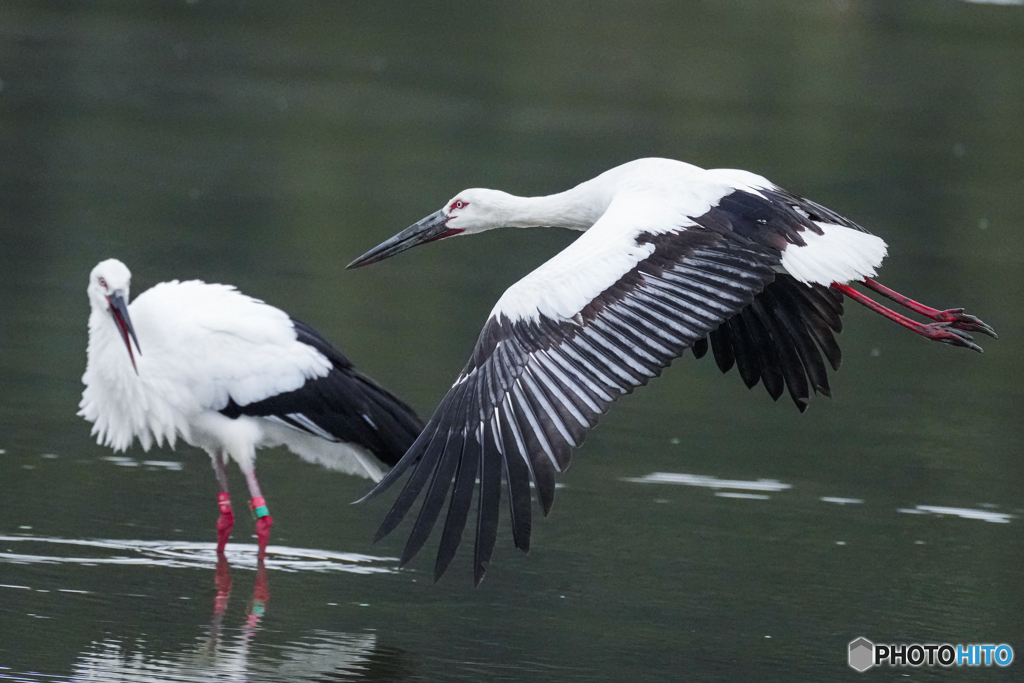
(433, 227)
(119, 310)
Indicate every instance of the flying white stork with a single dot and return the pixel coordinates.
(673, 255)
(229, 374)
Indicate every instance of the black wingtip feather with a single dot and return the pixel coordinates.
(488, 508)
(434, 500)
(721, 345)
(744, 351)
(458, 506)
(413, 485)
(700, 347)
(764, 349)
(784, 309)
(784, 339)
(517, 480)
(387, 481)
(789, 361)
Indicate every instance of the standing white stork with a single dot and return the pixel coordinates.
(229, 374)
(673, 255)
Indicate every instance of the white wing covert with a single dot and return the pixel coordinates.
(228, 345)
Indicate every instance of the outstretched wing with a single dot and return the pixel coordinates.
(599, 319)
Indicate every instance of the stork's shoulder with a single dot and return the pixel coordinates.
(648, 172)
(195, 307)
(193, 295)
(677, 187)
(191, 299)
(740, 179)
(656, 171)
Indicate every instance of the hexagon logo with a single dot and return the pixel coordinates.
(862, 654)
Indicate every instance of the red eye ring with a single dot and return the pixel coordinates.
(458, 204)
(103, 283)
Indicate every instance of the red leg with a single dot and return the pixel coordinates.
(260, 512)
(263, 523)
(939, 331)
(226, 521)
(960, 320)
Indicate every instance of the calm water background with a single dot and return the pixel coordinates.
(267, 144)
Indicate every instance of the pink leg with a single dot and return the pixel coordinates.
(259, 510)
(226, 521)
(960, 320)
(939, 331)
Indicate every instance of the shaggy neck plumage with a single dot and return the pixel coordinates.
(120, 403)
(105, 341)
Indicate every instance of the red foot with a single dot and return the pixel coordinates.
(225, 522)
(955, 316)
(963, 321)
(263, 525)
(945, 332)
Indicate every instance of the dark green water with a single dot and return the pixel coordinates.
(267, 144)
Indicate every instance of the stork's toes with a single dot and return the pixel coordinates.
(963, 321)
(263, 525)
(947, 333)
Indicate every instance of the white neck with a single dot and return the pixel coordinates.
(576, 209)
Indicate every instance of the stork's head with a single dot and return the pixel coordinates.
(109, 283)
(470, 211)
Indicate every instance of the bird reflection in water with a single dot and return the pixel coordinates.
(228, 654)
(260, 595)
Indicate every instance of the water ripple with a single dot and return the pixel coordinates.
(709, 482)
(186, 554)
(227, 656)
(965, 513)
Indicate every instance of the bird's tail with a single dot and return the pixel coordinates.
(347, 458)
